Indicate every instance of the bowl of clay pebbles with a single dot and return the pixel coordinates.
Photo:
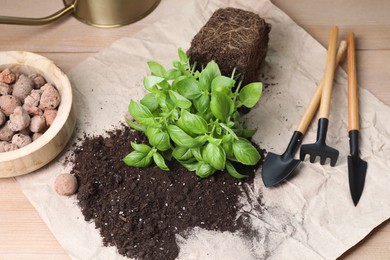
(37, 114)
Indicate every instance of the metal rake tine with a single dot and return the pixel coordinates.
(333, 161)
(323, 160)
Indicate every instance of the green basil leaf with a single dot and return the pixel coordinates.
(201, 139)
(194, 123)
(138, 159)
(177, 80)
(247, 133)
(176, 64)
(181, 138)
(191, 160)
(236, 117)
(221, 106)
(150, 82)
(141, 113)
(205, 170)
(182, 124)
(245, 152)
(229, 130)
(227, 138)
(182, 56)
(158, 138)
(214, 155)
(218, 130)
(207, 75)
(228, 148)
(134, 125)
(150, 101)
(213, 140)
(233, 172)
(182, 153)
(190, 166)
(161, 99)
(164, 85)
(157, 69)
(143, 148)
(222, 84)
(160, 162)
(250, 94)
(197, 154)
(179, 100)
(189, 88)
(202, 103)
(172, 74)
(230, 123)
(175, 115)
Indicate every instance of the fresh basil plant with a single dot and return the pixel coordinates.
(192, 116)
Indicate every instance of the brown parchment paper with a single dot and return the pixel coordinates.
(310, 216)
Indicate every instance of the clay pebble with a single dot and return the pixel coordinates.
(50, 98)
(5, 132)
(65, 184)
(22, 87)
(38, 80)
(8, 103)
(21, 140)
(7, 76)
(19, 119)
(5, 89)
(3, 119)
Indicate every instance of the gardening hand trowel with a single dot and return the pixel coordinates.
(276, 167)
(357, 168)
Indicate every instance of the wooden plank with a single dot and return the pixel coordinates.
(34, 257)
(374, 246)
(68, 61)
(368, 19)
(66, 35)
(373, 72)
(22, 231)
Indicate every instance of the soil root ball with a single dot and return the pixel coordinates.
(233, 38)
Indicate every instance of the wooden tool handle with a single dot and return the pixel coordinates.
(315, 100)
(329, 73)
(353, 106)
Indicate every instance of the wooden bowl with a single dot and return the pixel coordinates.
(40, 152)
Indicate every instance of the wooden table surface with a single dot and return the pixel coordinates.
(23, 235)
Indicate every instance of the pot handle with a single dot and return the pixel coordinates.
(37, 21)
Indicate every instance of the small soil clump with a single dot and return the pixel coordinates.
(139, 210)
(233, 38)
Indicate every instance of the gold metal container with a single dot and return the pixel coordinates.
(99, 13)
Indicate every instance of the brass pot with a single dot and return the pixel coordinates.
(99, 13)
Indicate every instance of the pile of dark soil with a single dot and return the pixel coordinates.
(139, 210)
